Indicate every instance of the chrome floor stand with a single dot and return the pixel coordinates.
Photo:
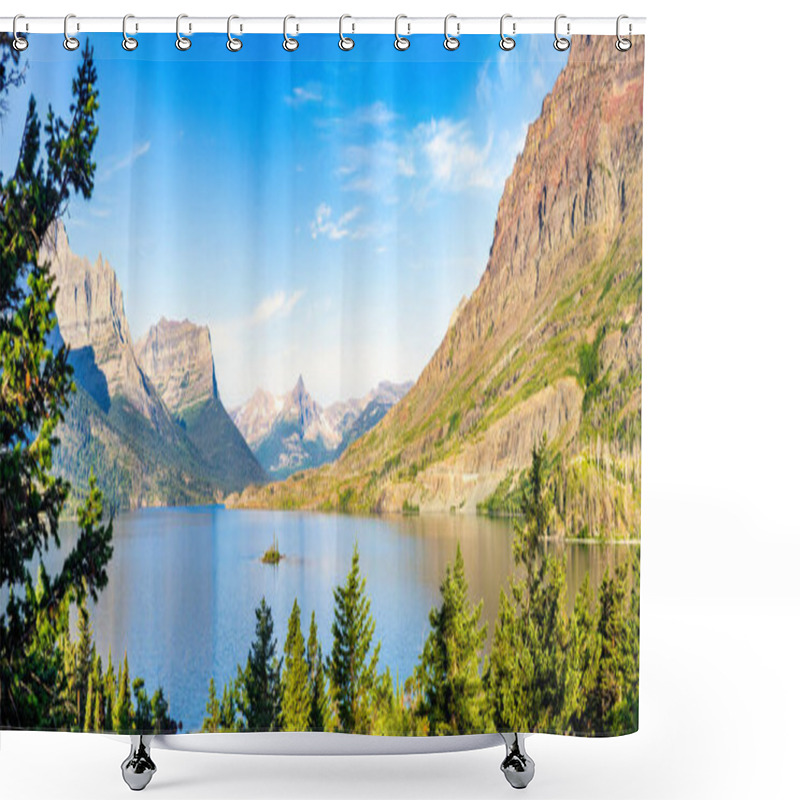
(517, 766)
(138, 768)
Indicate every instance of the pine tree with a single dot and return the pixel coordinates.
(351, 666)
(89, 706)
(319, 715)
(123, 714)
(84, 659)
(34, 394)
(229, 708)
(581, 662)
(160, 720)
(453, 696)
(532, 630)
(607, 692)
(109, 694)
(211, 721)
(260, 679)
(96, 712)
(295, 689)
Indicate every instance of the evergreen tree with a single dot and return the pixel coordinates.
(89, 706)
(123, 714)
(211, 721)
(141, 715)
(453, 697)
(96, 712)
(581, 662)
(260, 679)
(318, 716)
(35, 384)
(532, 631)
(109, 694)
(351, 666)
(84, 660)
(160, 720)
(607, 692)
(295, 689)
(230, 719)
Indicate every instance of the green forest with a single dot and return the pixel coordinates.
(547, 669)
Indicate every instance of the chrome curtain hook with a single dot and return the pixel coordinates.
(507, 42)
(290, 44)
(345, 42)
(561, 43)
(19, 43)
(401, 42)
(70, 42)
(128, 42)
(233, 44)
(181, 42)
(451, 42)
(623, 44)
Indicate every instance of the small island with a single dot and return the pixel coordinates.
(272, 555)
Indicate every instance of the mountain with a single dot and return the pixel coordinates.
(117, 424)
(177, 358)
(294, 432)
(548, 343)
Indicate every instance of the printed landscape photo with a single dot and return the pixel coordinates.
(321, 386)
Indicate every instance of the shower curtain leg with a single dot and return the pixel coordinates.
(517, 766)
(138, 768)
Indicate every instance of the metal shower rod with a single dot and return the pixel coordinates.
(244, 25)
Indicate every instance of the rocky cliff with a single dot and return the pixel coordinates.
(549, 342)
(177, 358)
(91, 319)
(118, 424)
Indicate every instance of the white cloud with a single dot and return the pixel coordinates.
(277, 304)
(126, 161)
(453, 158)
(304, 94)
(335, 229)
(441, 155)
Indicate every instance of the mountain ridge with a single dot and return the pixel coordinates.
(292, 431)
(548, 343)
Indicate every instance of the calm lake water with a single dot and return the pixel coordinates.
(184, 584)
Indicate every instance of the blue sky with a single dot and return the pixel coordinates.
(321, 211)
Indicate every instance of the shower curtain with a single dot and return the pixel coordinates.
(320, 398)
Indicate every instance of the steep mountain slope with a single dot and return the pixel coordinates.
(177, 358)
(294, 432)
(548, 343)
(117, 424)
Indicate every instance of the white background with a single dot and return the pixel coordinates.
(720, 554)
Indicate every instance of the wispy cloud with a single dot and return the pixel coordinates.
(375, 115)
(441, 155)
(453, 159)
(277, 304)
(126, 161)
(325, 225)
(304, 94)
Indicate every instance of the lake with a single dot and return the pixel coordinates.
(184, 584)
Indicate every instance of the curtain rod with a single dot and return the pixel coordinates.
(298, 25)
